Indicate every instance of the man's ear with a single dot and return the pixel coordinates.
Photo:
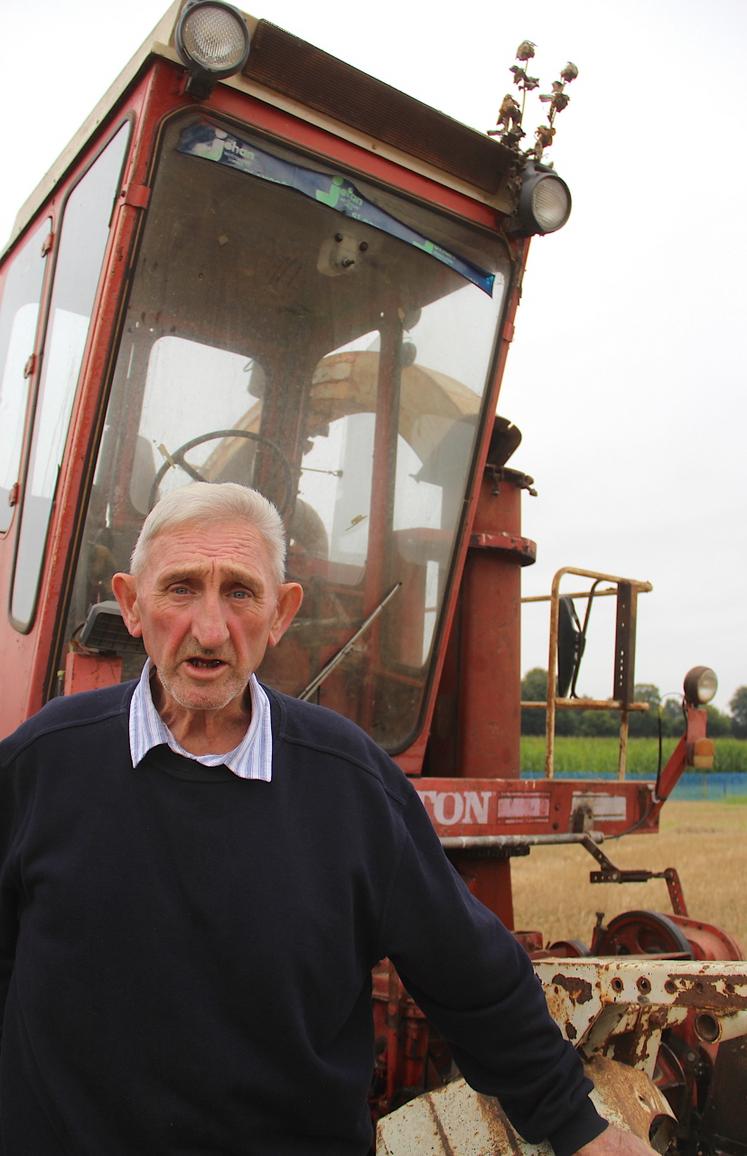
(125, 591)
(290, 597)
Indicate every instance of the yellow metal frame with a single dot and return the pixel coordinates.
(553, 703)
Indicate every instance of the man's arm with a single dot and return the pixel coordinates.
(477, 986)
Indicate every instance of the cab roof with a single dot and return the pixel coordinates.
(292, 74)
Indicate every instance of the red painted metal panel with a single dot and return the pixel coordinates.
(317, 140)
(31, 654)
(90, 671)
(489, 692)
(499, 806)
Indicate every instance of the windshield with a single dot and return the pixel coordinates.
(294, 329)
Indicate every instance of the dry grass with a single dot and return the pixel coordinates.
(706, 842)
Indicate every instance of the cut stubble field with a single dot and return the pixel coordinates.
(706, 842)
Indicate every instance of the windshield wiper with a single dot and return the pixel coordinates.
(337, 658)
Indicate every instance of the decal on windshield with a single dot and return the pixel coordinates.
(215, 144)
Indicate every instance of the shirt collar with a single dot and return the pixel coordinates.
(251, 759)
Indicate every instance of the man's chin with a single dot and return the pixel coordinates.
(213, 697)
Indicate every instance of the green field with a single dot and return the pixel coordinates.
(581, 755)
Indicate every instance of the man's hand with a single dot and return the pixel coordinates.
(614, 1142)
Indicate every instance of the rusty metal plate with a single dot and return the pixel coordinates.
(620, 1006)
(457, 1121)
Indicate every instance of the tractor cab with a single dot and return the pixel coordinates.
(339, 363)
(256, 264)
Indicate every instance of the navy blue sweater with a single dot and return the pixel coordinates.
(185, 956)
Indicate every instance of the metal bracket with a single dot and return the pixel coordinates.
(136, 196)
(612, 874)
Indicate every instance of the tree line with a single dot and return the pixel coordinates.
(666, 713)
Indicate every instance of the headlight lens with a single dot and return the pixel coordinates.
(544, 202)
(213, 38)
(551, 204)
(701, 685)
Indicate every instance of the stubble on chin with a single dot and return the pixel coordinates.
(192, 698)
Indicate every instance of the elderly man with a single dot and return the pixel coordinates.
(197, 875)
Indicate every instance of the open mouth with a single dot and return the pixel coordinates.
(205, 663)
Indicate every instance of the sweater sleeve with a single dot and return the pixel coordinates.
(476, 984)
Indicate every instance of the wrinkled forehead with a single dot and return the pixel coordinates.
(198, 546)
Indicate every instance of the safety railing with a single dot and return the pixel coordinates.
(569, 654)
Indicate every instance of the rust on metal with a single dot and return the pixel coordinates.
(620, 1007)
(632, 1102)
(524, 548)
(457, 1121)
(578, 989)
(447, 1149)
(727, 993)
(452, 1121)
(499, 1124)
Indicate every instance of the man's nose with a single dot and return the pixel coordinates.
(209, 625)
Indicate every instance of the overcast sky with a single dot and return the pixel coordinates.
(627, 375)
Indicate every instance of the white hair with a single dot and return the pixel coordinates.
(214, 502)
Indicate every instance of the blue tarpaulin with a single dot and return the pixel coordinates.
(215, 144)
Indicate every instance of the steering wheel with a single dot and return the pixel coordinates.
(177, 459)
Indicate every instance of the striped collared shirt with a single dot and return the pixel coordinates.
(251, 759)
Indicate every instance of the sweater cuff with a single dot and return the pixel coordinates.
(582, 1127)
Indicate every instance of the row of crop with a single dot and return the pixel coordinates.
(577, 754)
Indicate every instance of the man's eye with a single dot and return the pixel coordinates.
(239, 595)
(179, 590)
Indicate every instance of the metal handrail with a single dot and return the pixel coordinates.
(553, 703)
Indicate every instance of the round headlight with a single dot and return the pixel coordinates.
(544, 202)
(551, 204)
(701, 685)
(212, 38)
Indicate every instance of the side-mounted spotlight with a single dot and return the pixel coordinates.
(213, 41)
(701, 685)
(544, 202)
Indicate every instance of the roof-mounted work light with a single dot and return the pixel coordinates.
(544, 202)
(701, 685)
(213, 41)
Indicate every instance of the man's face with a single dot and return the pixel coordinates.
(207, 607)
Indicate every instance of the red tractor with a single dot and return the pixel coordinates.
(255, 263)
